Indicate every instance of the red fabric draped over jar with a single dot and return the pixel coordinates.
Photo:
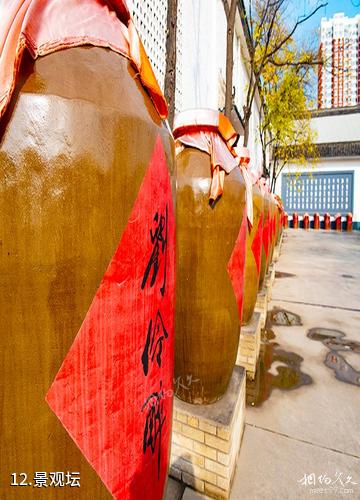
(45, 26)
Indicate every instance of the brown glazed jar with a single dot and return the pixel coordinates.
(253, 256)
(265, 247)
(75, 144)
(278, 224)
(273, 213)
(207, 322)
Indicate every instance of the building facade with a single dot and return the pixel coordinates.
(332, 184)
(339, 76)
(201, 57)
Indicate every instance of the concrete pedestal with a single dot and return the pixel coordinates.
(261, 305)
(206, 440)
(249, 345)
(250, 335)
(269, 281)
(277, 249)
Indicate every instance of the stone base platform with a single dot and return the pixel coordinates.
(250, 335)
(278, 249)
(269, 281)
(276, 253)
(249, 345)
(206, 440)
(261, 305)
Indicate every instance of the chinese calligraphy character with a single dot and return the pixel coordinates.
(324, 479)
(159, 241)
(56, 479)
(338, 479)
(40, 480)
(154, 423)
(349, 480)
(154, 342)
(308, 480)
(72, 479)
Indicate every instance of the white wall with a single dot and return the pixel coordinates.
(203, 53)
(335, 165)
(337, 128)
(241, 81)
(201, 57)
(203, 65)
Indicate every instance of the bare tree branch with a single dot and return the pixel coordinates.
(230, 13)
(297, 24)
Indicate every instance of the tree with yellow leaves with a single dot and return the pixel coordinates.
(285, 132)
(262, 20)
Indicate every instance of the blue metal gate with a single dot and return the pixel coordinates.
(318, 192)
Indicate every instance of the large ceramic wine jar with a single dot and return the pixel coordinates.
(211, 238)
(273, 215)
(87, 272)
(265, 247)
(279, 218)
(253, 255)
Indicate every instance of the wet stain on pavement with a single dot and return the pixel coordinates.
(348, 276)
(281, 317)
(343, 370)
(334, 340)
(324, 333)
(342, 345)
(286, 375)
(267, 334)
(281, 274)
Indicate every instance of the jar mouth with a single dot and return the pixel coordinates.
(109, 25)
(204, 119)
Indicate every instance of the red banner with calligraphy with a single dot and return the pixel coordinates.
(256, 244)
(273, 227)
(266, 234)
(236, 265)
(271, 230)
(113, 392)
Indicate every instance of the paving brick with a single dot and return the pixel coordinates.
(185, 466)
(178, 452)
(218, 469)
(217, 443)
(247, 344)
(182, 441)
(206, 427)
(223, 433)
(245, 351)
(192, 433)
(194, 482)
(223, 458)
(197, 472)
(193, 422)
(216, 492)
(181, 417)
(205, 450)
(223, 483)
(177, 426)
(175, 473)
(205, 475)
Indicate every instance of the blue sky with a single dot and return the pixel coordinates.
(309, 28)
(307, 34)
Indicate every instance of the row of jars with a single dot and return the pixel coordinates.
(225, 242)
(90, 198)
